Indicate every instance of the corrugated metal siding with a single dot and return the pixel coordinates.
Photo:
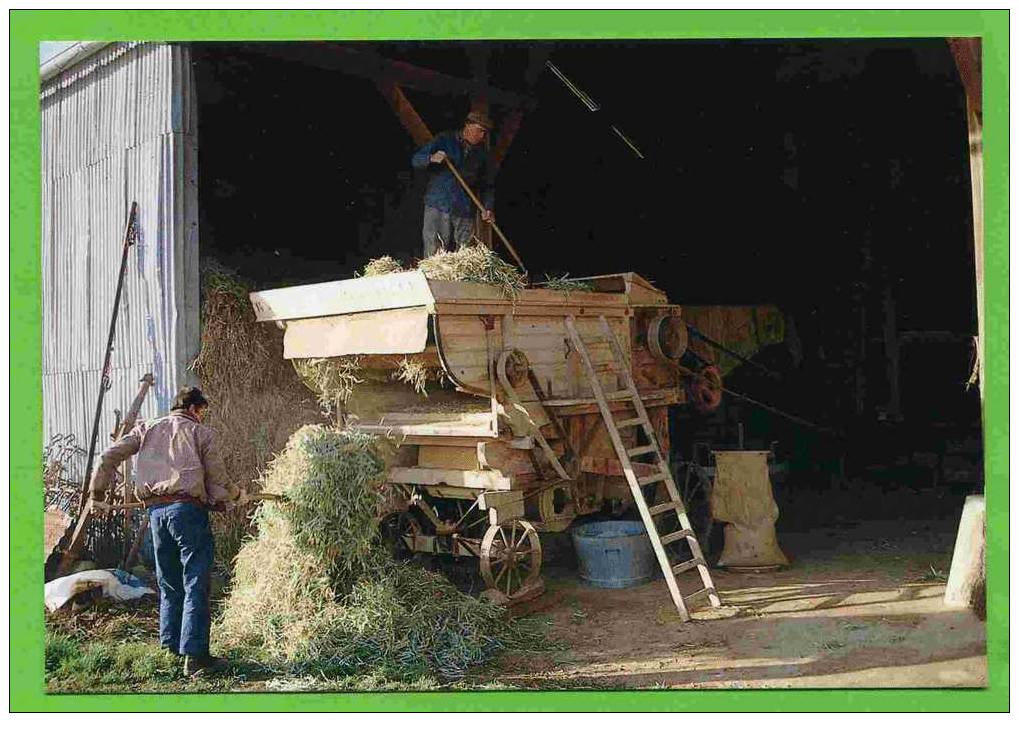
(119, 127)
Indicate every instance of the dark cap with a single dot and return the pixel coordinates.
(479, 118)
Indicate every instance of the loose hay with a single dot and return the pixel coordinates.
(565, 284)
(476, 263)
(382, 265)
(256, 399)
(315, 591)
(332, 379)
(414, 372)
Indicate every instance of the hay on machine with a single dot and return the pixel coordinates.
(471, 373)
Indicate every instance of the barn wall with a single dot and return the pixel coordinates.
(118, 127)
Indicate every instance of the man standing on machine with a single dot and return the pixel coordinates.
(449, 213)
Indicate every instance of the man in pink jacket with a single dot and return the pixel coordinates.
(180, 476)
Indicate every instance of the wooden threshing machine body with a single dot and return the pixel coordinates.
(509, 439)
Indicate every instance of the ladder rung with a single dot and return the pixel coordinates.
(700, 593)
(648, 479)
(676, 536)
(615, 396)
(642, 450)
(662, 507)
(630, 422)
(684, 566)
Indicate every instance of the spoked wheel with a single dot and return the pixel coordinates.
(511, 562)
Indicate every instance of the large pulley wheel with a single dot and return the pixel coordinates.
(511, 560)
(705, 389)
(667, 337)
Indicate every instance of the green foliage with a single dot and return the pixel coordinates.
(76, 664)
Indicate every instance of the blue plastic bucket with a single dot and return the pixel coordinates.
(614, 553)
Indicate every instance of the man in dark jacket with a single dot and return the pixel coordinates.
(449, 212)
(180, 477)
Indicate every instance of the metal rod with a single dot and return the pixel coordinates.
(104, 382)
(577, 91)
(780, 413)
(592, 106)
(481, 207)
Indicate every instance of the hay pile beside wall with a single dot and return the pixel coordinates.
(315, 592)
(256, 399)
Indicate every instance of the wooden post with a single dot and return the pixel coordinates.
(966, 577)
(967, 53)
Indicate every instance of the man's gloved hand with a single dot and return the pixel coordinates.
(437, 157)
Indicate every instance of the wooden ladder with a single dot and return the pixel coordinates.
(621, 367)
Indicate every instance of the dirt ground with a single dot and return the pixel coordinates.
(860, 606)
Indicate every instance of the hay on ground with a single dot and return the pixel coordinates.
(315, 591)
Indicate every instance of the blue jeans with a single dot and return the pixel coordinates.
(182, 541)
(442, 228)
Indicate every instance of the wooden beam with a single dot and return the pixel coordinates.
(405, 112)
(478, 58)
(368, 64)
(507, 131)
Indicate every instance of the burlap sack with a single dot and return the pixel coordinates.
(742, 498)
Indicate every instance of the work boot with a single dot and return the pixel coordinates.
(197, 665)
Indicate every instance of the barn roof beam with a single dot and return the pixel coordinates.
(368, 64)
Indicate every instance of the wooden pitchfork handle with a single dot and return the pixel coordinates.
(481, 207)
(250, 497)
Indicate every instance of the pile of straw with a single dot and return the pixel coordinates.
(475, 263)
(315, 591)
(382, 265)
(256, 400)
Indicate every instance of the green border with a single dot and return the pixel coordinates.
(27, 28)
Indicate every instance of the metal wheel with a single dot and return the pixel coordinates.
(705, 389)
(511, 558)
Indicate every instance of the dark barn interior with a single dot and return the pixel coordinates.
(829, 178)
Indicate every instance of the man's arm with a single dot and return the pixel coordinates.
(111, 458)
(422, 157)
(218, 486)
